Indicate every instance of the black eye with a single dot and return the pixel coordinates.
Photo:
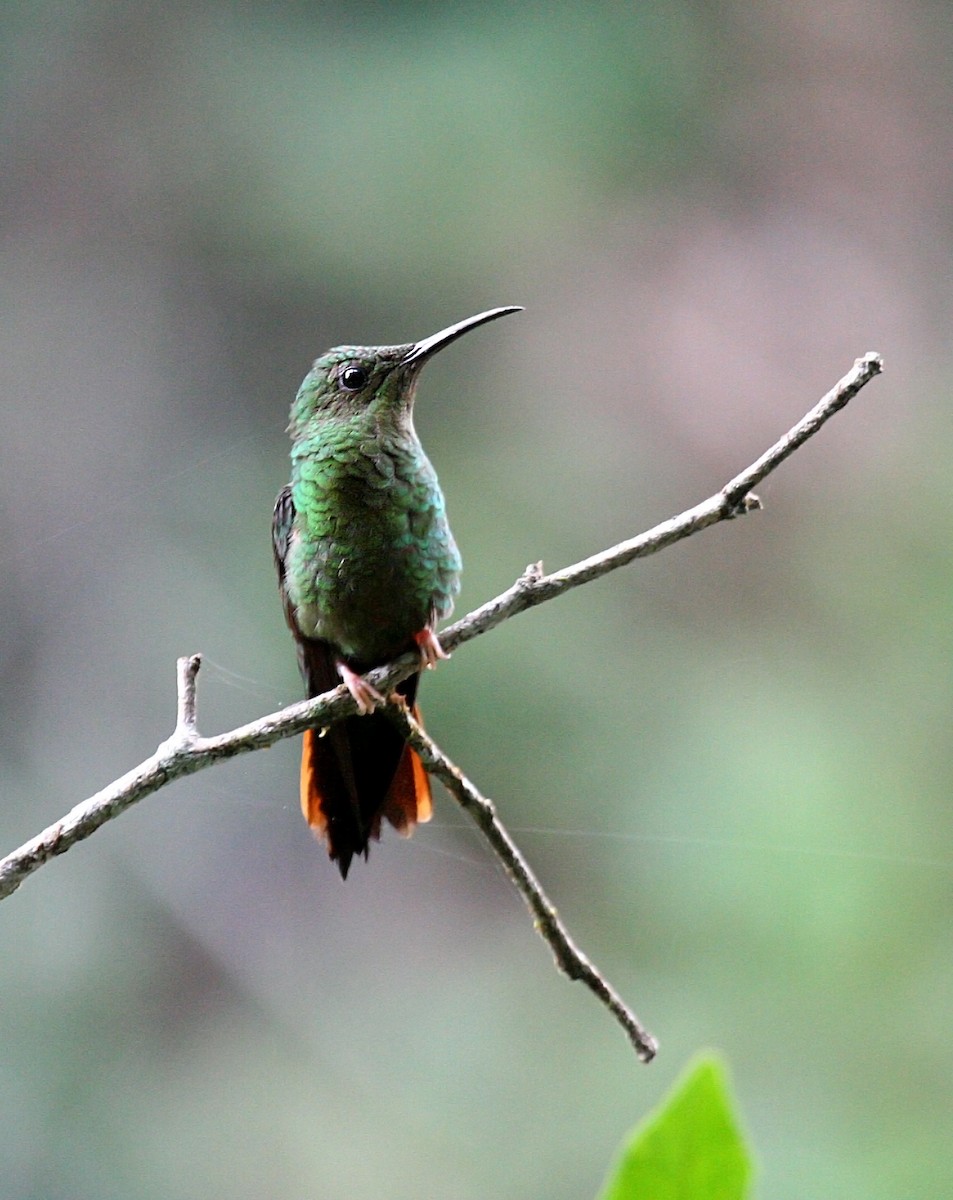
(353, 377)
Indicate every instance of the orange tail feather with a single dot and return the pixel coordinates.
(408, 801)
(311, 802)
(347, 822)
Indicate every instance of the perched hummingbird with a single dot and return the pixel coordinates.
(367, 566)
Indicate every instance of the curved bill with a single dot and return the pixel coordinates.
(422, 350)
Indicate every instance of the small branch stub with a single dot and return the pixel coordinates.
(187, 670)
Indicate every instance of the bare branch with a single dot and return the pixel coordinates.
(186, 751)
(569, 958)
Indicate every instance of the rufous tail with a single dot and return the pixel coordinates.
(354, 775)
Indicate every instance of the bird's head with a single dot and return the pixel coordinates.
(351, 379)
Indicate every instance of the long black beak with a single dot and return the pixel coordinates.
(423, 350)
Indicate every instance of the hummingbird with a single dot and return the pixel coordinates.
(367, 567)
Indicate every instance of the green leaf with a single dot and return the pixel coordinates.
(690, 1148)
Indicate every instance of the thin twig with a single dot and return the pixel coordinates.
(569, 958)
(186, 751)
(733, 500)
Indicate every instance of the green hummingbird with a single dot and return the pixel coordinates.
(367, 566)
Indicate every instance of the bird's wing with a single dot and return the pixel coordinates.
(282, 523)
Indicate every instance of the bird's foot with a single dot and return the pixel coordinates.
(430, 649)
(366, 696)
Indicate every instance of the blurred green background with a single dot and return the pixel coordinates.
(731, 764)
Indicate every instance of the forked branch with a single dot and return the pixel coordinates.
(186, 751)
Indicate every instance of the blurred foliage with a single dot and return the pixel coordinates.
(690, 1148)
(729, 764)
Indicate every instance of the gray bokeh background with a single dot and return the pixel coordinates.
(730, 764)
